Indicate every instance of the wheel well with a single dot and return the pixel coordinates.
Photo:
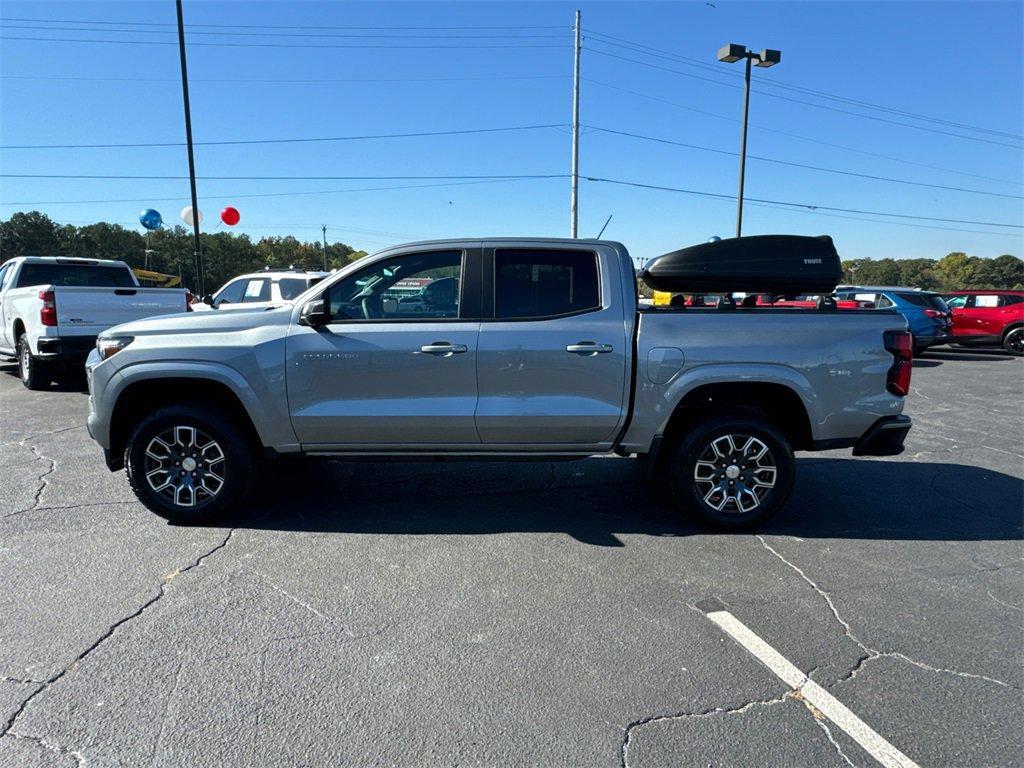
(19, 328)
(1011, 327)
(776, 403)
(143, 397)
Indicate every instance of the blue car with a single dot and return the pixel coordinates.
(928, 318)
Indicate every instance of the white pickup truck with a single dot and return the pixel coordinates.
(53, 308)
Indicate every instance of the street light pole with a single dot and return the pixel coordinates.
(200, 289)
(766, 58)
(743, 151)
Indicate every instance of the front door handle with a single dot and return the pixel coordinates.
(588, 348)
(444, 349)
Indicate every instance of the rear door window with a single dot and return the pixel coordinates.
(1012, 298)
(80, 275)
(986, 300)
(258, 289)
(535, 283)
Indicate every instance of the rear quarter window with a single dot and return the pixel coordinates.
(290, 287)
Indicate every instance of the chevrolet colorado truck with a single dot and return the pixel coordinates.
(530, 349)
(53, 308)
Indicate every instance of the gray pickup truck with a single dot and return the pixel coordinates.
(520, 348)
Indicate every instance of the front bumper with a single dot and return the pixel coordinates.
(884, 438)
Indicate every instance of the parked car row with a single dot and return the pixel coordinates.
(974, 318)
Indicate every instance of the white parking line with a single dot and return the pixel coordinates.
(812, 693)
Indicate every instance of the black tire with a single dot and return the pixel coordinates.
(205, 493)
(731, 506)
(1013, 341)
(33, 372)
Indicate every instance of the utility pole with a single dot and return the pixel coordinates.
(200, 287)
(325, 247)
(574, 202)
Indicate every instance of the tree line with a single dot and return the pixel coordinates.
(954, 271)
(225, 254)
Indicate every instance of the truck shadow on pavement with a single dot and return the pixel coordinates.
(598, 500)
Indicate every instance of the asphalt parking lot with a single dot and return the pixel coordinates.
(518, 614)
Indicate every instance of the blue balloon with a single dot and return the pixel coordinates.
(151, 219)
(712, 239)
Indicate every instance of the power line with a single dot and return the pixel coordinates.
(277, 81)
(271, 178)
(272, 45)
(883, 222)
(801, 137)
(804, 165)
(776, 83)
(808, 206)
(805, 103)
(434, 36)
(418, 134)
(155, 199)
(280, 26)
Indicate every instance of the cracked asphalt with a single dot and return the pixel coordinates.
(516, 614)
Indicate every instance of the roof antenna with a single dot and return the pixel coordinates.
(604, 227)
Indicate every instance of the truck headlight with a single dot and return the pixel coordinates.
(108, 346)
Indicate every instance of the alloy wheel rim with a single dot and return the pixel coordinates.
(23, 360)
(735, 473)
(185, 466)
(1015, 340)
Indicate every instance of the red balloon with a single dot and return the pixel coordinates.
(230, 216)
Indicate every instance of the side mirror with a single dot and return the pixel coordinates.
(314, 314)
(207, 299)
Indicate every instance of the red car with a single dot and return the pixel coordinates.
(988, 318)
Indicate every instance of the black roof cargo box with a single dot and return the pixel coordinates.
(783, 264)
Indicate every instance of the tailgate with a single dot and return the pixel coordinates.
(87, 311)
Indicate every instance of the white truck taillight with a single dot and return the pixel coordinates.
(48, 312)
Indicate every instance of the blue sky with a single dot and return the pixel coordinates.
(502, 65)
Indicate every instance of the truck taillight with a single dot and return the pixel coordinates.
(48, 312)
(189, 299)
(901, 345)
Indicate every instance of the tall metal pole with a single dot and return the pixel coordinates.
(743, 149)
(574, 202)
(200, 288)
(325, 247)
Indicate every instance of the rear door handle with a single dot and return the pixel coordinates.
(588, 348)
(443, 348)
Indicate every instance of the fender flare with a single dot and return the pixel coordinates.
(192, 369)
(739, 373)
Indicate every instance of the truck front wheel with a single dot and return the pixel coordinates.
(732, 471)
(189, 464)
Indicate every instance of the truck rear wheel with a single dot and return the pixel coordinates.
(34, 373)
(732, 471)
(189, 464)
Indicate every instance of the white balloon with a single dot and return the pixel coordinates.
(186, 215)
